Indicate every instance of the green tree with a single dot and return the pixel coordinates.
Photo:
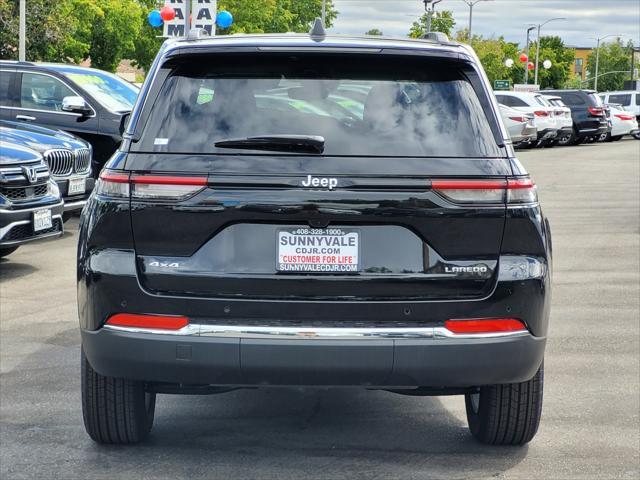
(614, 56)
(113, 33)
(275, 16)
(441, 22)
(553, 49)
(493, 53)
(374, 31)
(49, 32)
(148, 41)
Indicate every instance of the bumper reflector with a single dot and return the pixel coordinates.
(485, 325)
(156, 322)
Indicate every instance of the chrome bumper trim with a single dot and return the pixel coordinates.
(68, 206)
(6, 228)
(312, 333)
(31, 209)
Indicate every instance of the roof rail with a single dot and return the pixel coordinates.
(318, 33)
(436, 36)
(196, 34)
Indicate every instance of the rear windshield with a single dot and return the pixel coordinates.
(361, 107)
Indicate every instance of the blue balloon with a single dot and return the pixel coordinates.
(224, 19)
(155, 19)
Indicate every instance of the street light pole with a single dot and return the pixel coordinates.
(595, 80)
(471, 4)
(538, 46)
(430, 12)
(526, 67)
(324, 13)
(187, 17)
(22, 50)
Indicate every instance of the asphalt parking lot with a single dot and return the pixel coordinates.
(590, 426)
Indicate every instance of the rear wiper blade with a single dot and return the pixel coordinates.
(276, 143)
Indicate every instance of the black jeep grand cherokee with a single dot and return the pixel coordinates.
(323, 211)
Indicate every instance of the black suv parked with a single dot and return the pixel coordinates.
(86, 102)
(68, 158)
(233, 242)
(30, 202)
(589, 115)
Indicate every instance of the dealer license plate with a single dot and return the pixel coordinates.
(310, 250)
(76, 186)
(41, 220)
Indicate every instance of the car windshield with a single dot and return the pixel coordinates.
(112, 92)
(358, 106)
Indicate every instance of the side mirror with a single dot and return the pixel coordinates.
(75, 104)
(124, 121)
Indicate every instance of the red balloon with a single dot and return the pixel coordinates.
(167, 13)
(523, 57)
(530, 66)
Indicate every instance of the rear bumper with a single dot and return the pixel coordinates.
(16, 225)
(592, 128)
(371, 362)
(547, 134)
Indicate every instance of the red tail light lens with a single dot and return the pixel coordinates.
(159, 187)
(166, 187)
(521, 190)
(517, 190)
(113, 184)
(623, 116)
(485, 325)
(596, 111)
(155, 322)
(519, 119)
(541, 113)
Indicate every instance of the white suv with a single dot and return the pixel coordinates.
(629, 99)
(563, 119)
(544, 113)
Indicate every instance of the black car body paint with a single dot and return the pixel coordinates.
(448, 226)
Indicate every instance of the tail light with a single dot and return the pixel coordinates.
(596, 111)
(166, 187)
(154, 322)
(541, 113)
(485, 325)
(519, 119)
(113, 184)
(159, 187)
(513, 191)
(623, 116)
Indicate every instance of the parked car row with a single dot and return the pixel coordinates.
(86, 102)
(569, 117)
(45, 175)
(59, 124)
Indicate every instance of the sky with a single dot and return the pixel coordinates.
(510, 18)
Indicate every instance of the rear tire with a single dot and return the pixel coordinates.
(4, 251)
(115, 410)
(565, 140)
(506, 414)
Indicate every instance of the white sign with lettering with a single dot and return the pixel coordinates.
(203, 15)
